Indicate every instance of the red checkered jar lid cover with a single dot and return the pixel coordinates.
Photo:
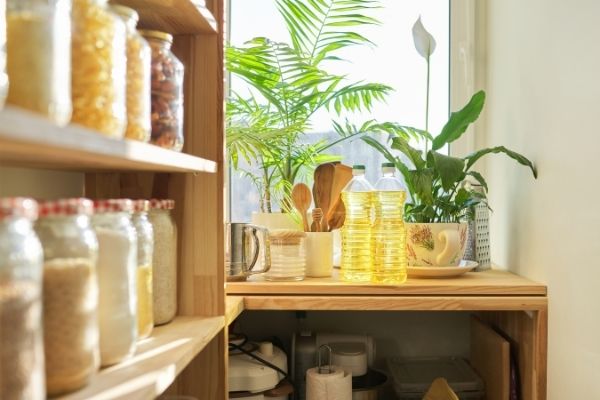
(18, 207)
(113, 205)
(141, 205)
(65, 207)
(162, 204)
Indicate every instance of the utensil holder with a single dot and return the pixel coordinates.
(319, 254)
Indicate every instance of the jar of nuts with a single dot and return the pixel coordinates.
(99, 67)
(39, 57)
(167, 92)
(138, 78)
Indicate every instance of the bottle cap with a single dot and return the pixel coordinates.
(388, 165)
(358, 166)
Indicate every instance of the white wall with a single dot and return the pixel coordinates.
(543, 84)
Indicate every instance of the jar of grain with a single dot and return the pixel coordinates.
(117, 269)
(164, 261)
(39, 57)
(288, 259)
(138, 78)
(99, 67)
(145, 240)
(167, 92)
(3, 75)
(21, 340)
(70, 293)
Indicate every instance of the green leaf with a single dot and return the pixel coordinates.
(473, 157)
(449, 168)
(479, 178)
(414, 155)
(459, 121)
(422, 182)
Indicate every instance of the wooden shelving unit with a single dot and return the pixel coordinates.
(157, 362)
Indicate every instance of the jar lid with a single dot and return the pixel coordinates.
(141, 205)
(162, 204)
(125, 12)
(75, 206)
(286, 236)
(20, 207)
(113, 205)
(156, 35)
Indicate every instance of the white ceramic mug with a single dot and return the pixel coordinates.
(319, 254)
(435, 245)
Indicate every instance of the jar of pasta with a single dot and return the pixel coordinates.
(117, 270)
(145, 247)
(3, 75)
(164, 261)
(167, 92)
(70, 293)
(138, 78)
(21, 340)
(39, 57)
(99, 67)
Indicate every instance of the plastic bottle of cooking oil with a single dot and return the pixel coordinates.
(357, 260)
(389, 234)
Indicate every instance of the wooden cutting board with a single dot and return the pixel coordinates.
(490, 356)
(440, 390)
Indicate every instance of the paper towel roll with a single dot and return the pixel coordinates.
(334, 386)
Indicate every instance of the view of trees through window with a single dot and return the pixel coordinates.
(392, 60)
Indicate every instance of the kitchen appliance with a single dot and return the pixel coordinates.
(244, 245)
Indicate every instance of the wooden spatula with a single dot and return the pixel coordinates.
(301, 199)
(322, 188)
(342, 175)
(337, 217)
(317, 216)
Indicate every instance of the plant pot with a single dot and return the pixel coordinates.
(435, 244)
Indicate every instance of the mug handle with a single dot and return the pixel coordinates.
(451, 240)
(267, 261)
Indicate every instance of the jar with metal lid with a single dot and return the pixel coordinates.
(117, 269)
(167, 92)
(39, 57)
(3, 75)
(70, 293)
(21, 340)
(288, 259)
(145, 239)
(164, 261)
(99, 67)
(138, 77)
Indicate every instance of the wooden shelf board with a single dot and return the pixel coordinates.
(486, 283)
(158, 360)
(234, 305)
(29, 140)
(174, 16)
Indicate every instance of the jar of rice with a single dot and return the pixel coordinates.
(145, 239)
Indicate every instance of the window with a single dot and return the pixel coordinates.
(393, 61)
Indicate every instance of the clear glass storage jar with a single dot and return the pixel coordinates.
(138, 78)
(3, 74)
(145, 239)
(21, 340)
(167, 92)
(288, 258)
(39, 57)
(99, 67)
(117, 281)
(70, 293)
(164, 260)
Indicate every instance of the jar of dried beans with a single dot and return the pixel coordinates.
(21, 340)
(167, 92)
(99, 67)
(138, 78)
(70, 293)
(164, 261)
(117, 269)
(39, 57)
(145, 240)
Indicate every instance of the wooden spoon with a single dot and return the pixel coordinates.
(342, 175)
(338, 216)
(317, 216)
(322, 188)
(302, 199)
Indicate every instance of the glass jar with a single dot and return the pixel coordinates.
(145, 240)
(39, 57)
(164, 261)
(21, 341)
(117, 269)
(138, 78)
(3, 75)
(70, 293)
(288, 259)
(167, 92)
(99, 67)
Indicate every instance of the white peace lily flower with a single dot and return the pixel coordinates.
(424, 42)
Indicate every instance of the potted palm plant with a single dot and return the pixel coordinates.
(441, 200)
(288, 84)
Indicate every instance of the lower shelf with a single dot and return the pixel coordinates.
(157, 362)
